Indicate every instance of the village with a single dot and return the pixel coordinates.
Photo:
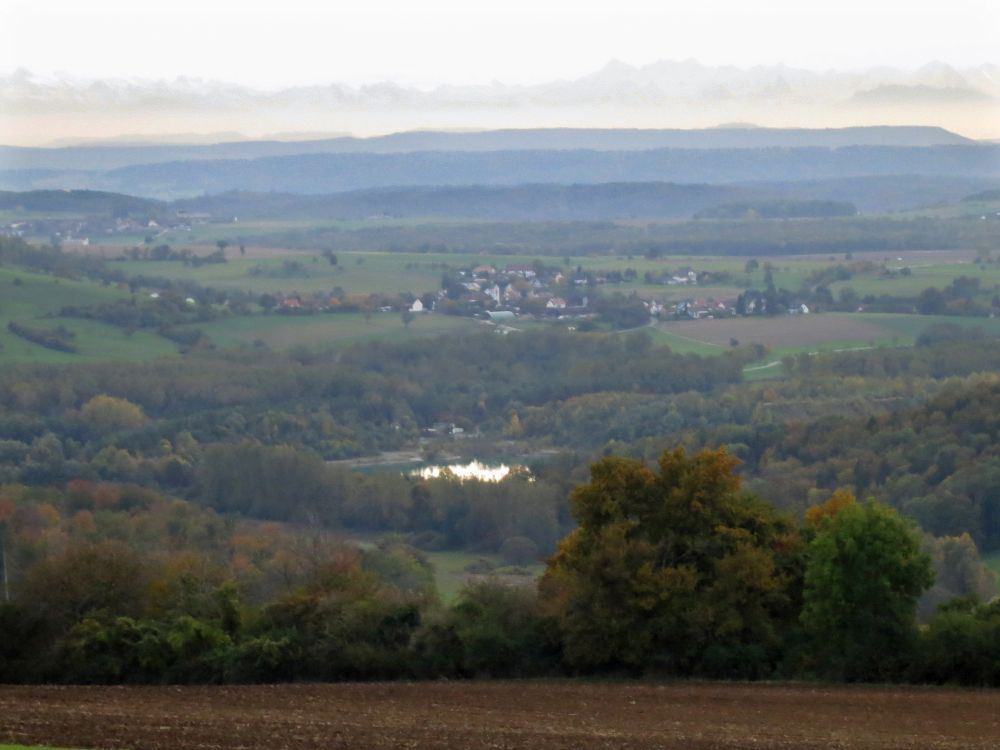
(538, 292)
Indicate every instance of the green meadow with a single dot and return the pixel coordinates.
(36, 299)
(451, 574)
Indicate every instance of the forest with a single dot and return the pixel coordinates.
(252, 513)
(675, 570)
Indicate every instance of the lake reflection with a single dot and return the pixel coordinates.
(471, 470)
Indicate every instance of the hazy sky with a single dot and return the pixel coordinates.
(273, 43)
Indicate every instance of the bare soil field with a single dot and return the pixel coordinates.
(783, 330)
(556, 715)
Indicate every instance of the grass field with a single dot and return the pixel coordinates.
(356, 273)
(809, 333)
(35, 299)
(514, 715)
(451, 574)
(781, 331)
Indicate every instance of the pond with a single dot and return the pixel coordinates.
(472, 470)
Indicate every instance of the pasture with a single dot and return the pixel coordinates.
(556, 715)
(453, 569)
(781, 331)
(36, 299)
(792, 334)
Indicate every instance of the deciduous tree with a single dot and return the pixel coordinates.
(865, 571)
(677, 569)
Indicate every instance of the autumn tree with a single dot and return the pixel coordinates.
(108, 413)
(676, 569)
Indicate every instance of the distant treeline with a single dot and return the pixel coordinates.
(743, 238)
(77, 201)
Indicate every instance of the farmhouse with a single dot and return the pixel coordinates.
(522, 270)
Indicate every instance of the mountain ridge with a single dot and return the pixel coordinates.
(113, 156)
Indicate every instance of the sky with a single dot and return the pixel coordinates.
(425, 43)
(86, 69)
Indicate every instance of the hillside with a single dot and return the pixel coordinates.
(95, 157)
(329, 173)
(579, 201)
(74, 201)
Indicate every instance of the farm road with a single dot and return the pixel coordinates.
(472, 715)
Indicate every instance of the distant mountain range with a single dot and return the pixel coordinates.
(106, 157)
(681, 93)
(617, 82)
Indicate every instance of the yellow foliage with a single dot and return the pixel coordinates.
(110, 413)
(839, 500)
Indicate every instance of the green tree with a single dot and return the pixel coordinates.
(678, 569)
(865, 571)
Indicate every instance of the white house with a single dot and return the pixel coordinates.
(417, 306)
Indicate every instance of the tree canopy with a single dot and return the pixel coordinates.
(865, 571)
(678, 568)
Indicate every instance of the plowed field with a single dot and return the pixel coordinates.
(556, 715)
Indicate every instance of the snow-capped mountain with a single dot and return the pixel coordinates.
(667, 93)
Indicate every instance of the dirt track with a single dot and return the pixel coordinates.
(501, 715)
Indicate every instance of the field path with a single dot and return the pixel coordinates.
(460, 715)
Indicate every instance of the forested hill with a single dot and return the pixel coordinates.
(813, 198)
(329, 173)
(76, 201)
(92, 157)
(522, 203)
(334, 172)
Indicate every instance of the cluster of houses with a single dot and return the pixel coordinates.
(510, 286)
(703, 309)
(532, 289)
(516, 290)
(81, 231)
